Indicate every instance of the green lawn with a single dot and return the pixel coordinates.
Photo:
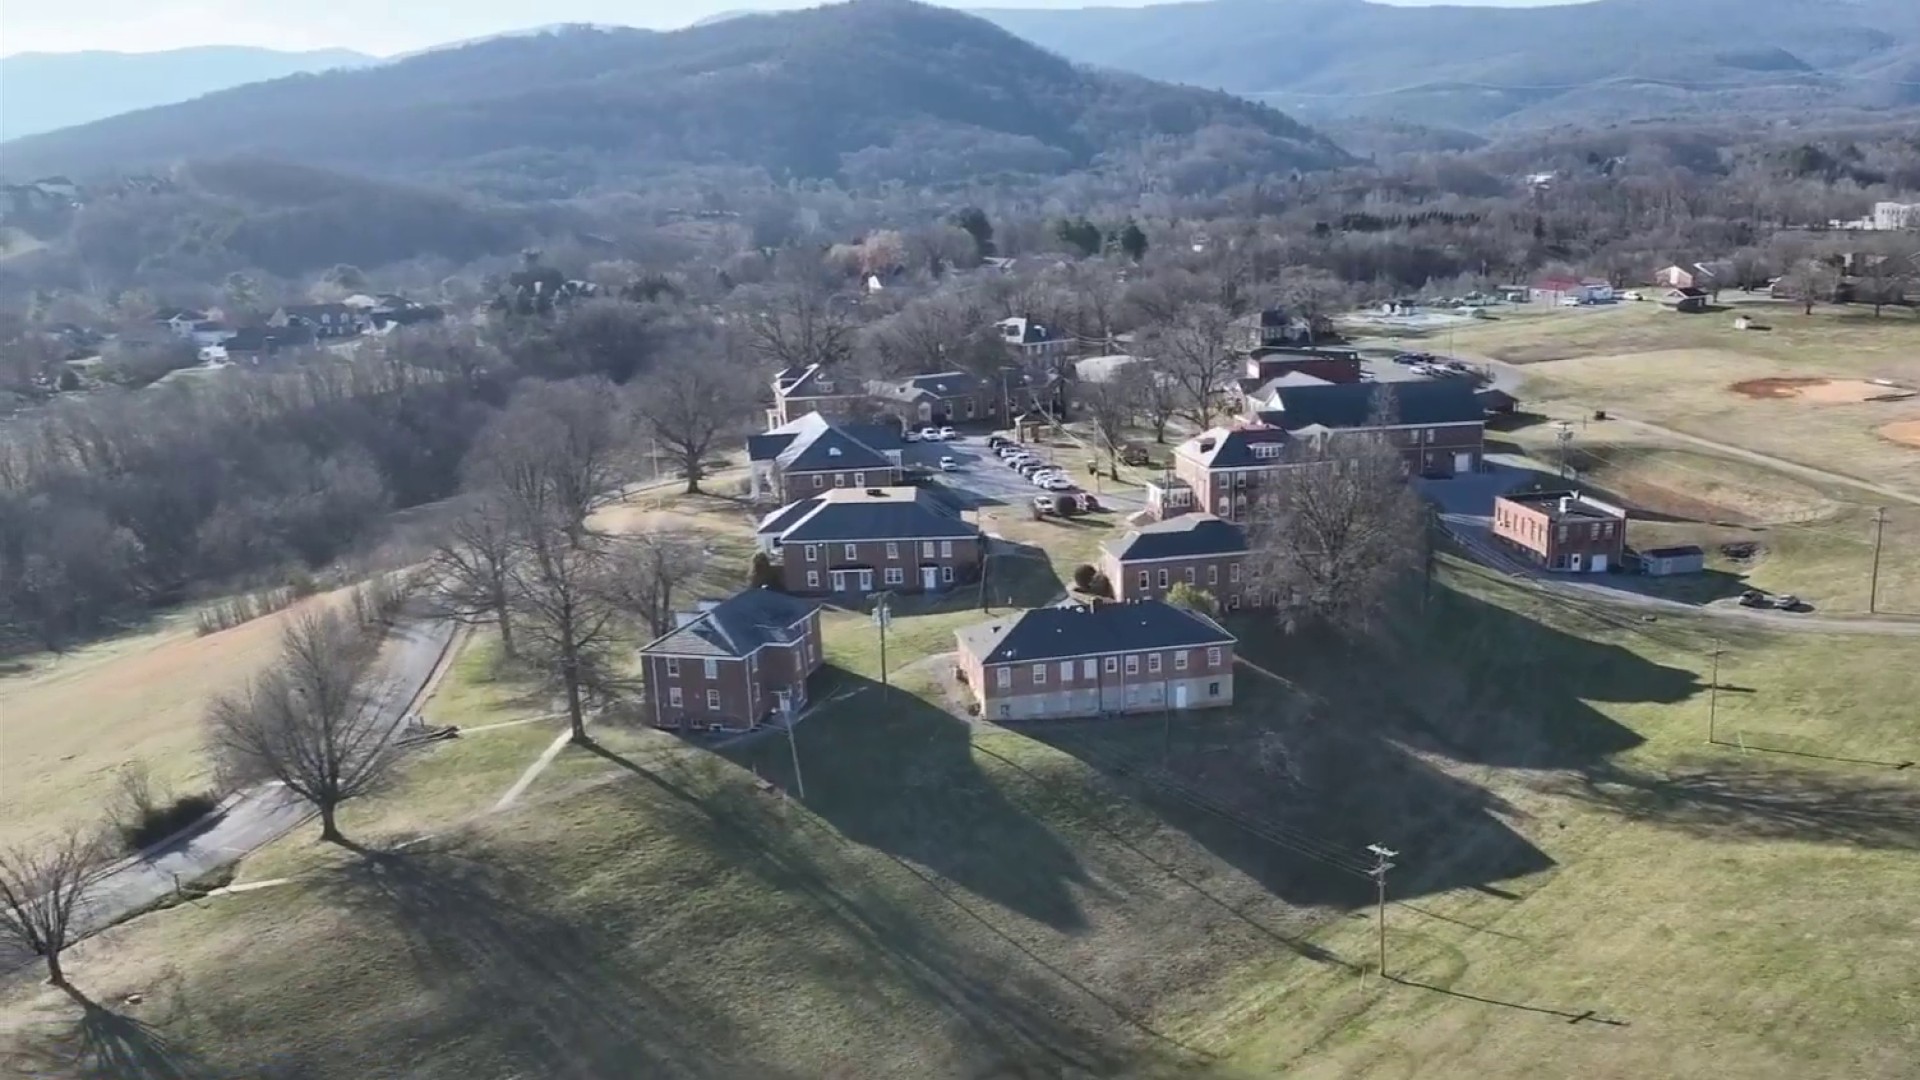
(1585, 885)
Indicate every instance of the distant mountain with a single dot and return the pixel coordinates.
(869, 91)
(1478, 68)
(45, 91)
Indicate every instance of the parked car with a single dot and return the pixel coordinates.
(1057, 483)
(929, 434)
(1007, 451)
(1134, 455)
(1088, 502)
(947, 433)
(995, 442)
(1786, 602)
(1043, 478)
(1043, 503)
(1754, 598)
(912, 435)
(948, 464)
(1571, 301)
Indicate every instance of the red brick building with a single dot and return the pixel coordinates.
(1561, 530)
(733, 664)
(812, 455)
(1201, 550)
(1090, 661)
(857, 541)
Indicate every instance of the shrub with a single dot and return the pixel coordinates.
(1083, 576)
(1193, 599)
(145, 817)
(1098, 585)
(245, 607)
(761, 573)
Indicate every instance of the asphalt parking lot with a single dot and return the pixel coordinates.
(982, 479)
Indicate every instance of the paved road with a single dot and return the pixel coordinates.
(257, 816)
(984, 480)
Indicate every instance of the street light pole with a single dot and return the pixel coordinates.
(1713, 693)
(1873, 584)
(1382, 863)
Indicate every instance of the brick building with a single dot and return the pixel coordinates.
(863, 540)
(1561, 530)
(812, 454)
(1090, 661)
(733, 663)
(1202, 550)
(1439, 425)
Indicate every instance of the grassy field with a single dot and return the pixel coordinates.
(1586, 886)
(1680, 372)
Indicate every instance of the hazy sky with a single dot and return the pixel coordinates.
(381, 27)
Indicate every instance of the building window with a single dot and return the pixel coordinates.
(1213, 575)
(713, 700)
(893, 550)
(1153, 663)
(1163, 577)
(1180, 660)
(1006, 711)
(673, 666)
(839, 479)
(1143, 579)
(1112, 665)
(926, 549)
(1432, 434)
(753, 663)
(813, 552)
(946, 549)
(896, 576)
(710, 668)
(1039, 674)
(1133, 664)
(1563, 534)
(813, 579)
(1233, 573)
(946, 575)
(1213, 689)
(1190, 575)
(1226, 506)
(1003, 677)
(1213, 656)
(673, 697)
(1066, 671)
(819, 481)
(850, 551)
(859, 479)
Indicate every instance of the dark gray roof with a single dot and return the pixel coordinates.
(737, 626)
(1232, 448)
(1189, 535)
(813, 443)
(1056, 633)
(1676, 552)
(865, 514)
(1351, 405)
(806, 382)
(948, 383)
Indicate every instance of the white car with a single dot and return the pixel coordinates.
(947, 464)
(928, 434)
(948, 433)
(1571, 301)
(1043, 503)
(912, 436)
(1057, 483)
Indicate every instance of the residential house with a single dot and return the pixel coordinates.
(1270, 327)
(1707, 276)
(1334, 365)
(1032, 339)
(1204, 551)
(1688, 299)
(1890, 216)
(253, 343)
(325, 320)
(945, 397)
(734, 663)
(1255, 397)
(1557, 290)
(1221, 470)
(1561, 530)
(1096, 660)
(863, 540)
(798, 391)
(181, 321)
(1439, 425)
(813, 454)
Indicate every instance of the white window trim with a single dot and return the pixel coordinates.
(1066, 671)
(946, 549)
(946, 575)
(1039, 674)
(673, 697)
(850, 551)
(1153, 663)
(1213, 656)
(813, 579)
(673, 666)
(1133, 664)
(713, 699)
(1112, 665)
(1003, 677)
(710, 669)
(893, 549)
(813, 552)
(1180, 660)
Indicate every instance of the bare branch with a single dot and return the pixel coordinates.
(43, 894)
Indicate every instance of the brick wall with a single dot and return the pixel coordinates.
(1219, 575)
(745, 687)
(1137, 682)
(956, 562)
(800, 485)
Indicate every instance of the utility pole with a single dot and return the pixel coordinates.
(1382, 863)
(1565, 438)
(882, 617)
(1713, 693)
(1873, 584)
(793, 748)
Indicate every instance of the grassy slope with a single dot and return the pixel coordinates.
(956, 902)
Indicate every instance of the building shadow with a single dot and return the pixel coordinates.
(898, 774)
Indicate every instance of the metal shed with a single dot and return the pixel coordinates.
(1667, 561)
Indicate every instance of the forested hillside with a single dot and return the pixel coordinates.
(863, 93)
(1480, 67)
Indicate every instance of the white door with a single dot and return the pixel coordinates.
(1463, 463)
(866, 581)
(929, 578)
(1599, 564)
(1573, 563)
(839, 581)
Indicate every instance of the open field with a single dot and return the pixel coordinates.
(69, 723)
(1586, 887)
(1802, 391)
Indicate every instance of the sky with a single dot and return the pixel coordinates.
(379, 27)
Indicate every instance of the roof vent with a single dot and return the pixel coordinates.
(876, 493)
(833, 451)
(1206, 445)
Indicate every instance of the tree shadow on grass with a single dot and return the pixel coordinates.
(518, 987)
(1742, 801)
(1007, 1008)
(894, 772)
(105, 1044)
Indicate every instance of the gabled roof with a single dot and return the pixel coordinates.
(893, 513)
(795, 439)
(947, 383)
(1232, 448)
(1024, 331)
(807, 382)
(831, 448)
(1187, 536)
(737, 626)
(1058, 633)
(1351, 405)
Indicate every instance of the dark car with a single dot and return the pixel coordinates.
(995, 442)
(1754, 598)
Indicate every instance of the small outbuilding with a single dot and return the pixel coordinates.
(1669, 561)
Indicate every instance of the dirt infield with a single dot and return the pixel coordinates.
(1903, 432)
(1824, 391)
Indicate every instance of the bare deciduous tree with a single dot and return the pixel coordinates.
(1109, 407)
(1810, 281)
(1195, 351)
(689, 402)
(469, 568)
(648, 571)
(1335, 531)
(1156, 397)
(43, 895)
(563, 601)
(558, 447)
(800, 324)
(313, 721)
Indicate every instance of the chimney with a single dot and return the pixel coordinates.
(682, 618)
(1206, 444)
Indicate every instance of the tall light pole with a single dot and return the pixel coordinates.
(882, 618)
(1713, 693)
(1383, 862)
(1873, 583)
(793, 748)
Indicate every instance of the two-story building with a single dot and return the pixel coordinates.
(732, 664)
(1561, 530)
(945, 397)
(1220, 471)
(1438, 425)
(1328, 364)
(1095, 660)
(813, 454)
(1032, 339)
(862, 540)
(1201, 550)
(325, 320)
(813, 388)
